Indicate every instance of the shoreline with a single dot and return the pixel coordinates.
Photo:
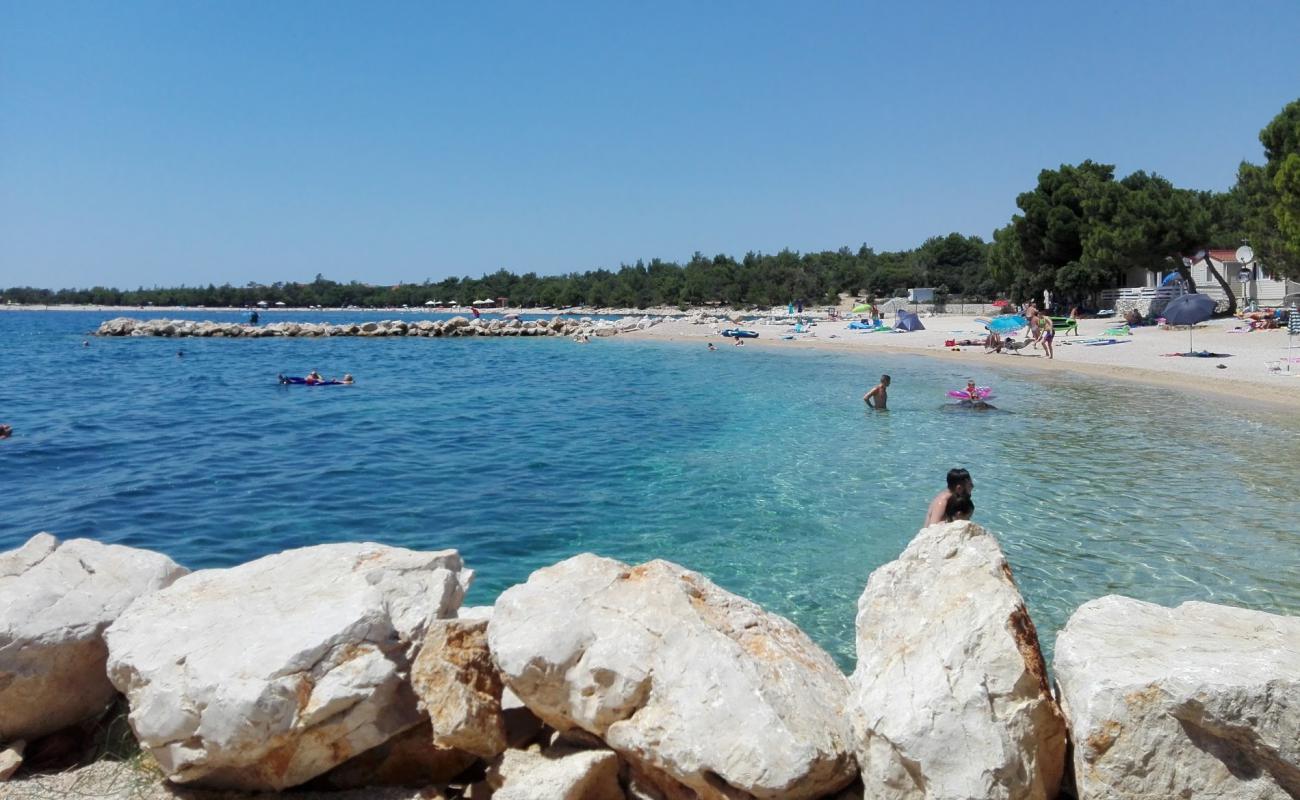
(1244, 380)
(1273, 393)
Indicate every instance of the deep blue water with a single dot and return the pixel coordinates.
(762, 470)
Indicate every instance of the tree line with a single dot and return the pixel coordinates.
(1077, 231)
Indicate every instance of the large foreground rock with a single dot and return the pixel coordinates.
(676, 675)
(56, 599)
(268, 674)
(1198, 701)
(950, 696)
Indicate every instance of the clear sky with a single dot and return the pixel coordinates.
(159, 143)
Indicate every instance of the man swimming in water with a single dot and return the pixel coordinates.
(959, 484)
(878, 398)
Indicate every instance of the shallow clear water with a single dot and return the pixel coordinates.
(762, 470)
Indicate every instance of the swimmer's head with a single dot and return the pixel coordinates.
(884, 379)
(959, 478)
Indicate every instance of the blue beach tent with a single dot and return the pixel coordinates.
(907, 321)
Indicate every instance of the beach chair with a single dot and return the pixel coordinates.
(1064, 325)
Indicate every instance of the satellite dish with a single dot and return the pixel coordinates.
(1245, 255)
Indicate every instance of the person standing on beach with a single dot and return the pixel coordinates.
(878, 398)
(959, 483)
(1048, 330)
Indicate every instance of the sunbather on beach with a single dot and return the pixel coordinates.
(993, 344)
(878, 397)
(959, 483)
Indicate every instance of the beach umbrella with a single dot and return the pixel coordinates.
(262, 303)
(1189, 310)
(1008, 323)
(861, 308)
(279, 302)
(1000, 303)
(907, 321)
(430, 303)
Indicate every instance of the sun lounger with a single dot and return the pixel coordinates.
(1064, 325)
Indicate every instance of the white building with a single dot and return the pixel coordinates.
(1259, 287)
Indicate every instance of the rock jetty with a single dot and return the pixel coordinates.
(354, 667)
(456, 326)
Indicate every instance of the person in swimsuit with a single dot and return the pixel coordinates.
(348, 379)
(972, 393)
(6, 431)
(711, 347)
(314, 377)
(1048, 330)
(878, 398)
(959, 483)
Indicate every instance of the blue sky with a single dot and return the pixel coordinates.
(147, 143)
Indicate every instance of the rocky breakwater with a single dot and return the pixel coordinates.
(456, 326)
(352, 666)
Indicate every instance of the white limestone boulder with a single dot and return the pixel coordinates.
(56, 599)
(950, 695)
(557, 773)
(1201, 700)
(262, 676)
(676, 675)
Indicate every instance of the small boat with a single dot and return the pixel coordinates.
(739, 333)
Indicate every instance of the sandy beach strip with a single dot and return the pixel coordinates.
(1246, 376)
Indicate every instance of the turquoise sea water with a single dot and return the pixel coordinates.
(762, 470)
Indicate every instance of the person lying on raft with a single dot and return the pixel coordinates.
(313, 377)
(348, 379)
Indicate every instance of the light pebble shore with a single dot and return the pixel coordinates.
(1246, 378)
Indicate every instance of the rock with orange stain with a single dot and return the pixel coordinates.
(459, 688)
(1201, 700)
(678, 676)
(950, 696)
(265, 675)
(56, 599)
